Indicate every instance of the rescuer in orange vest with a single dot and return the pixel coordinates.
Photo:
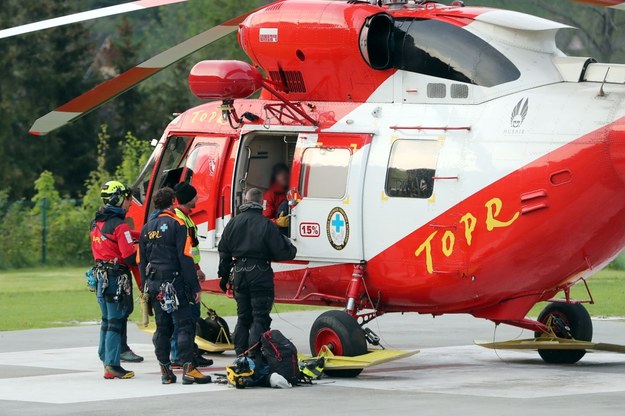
(169, 277)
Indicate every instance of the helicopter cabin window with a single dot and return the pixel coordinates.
(324, 172)
(412, 168)
(444, 50)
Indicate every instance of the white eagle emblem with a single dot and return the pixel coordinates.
(519, 113)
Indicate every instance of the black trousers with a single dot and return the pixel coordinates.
(254, 293)
(185, 320)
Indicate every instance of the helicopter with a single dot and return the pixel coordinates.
(444, 159)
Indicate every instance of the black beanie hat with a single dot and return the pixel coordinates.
(185, 192)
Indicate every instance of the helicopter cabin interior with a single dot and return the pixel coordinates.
(258, 153)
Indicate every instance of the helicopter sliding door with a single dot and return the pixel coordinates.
(328, 172)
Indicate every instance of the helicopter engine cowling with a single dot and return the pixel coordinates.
(224, 80)
(310, 49)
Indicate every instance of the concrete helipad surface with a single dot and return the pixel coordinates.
(56, 372)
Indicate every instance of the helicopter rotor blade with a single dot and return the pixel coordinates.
(110, 89)
(82, 16)
(616, 4)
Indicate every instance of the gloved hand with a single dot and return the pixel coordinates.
(223, 284)
(282, 221)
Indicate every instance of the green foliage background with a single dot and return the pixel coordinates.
(48, 68)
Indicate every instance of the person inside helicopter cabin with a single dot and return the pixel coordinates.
(275, 206)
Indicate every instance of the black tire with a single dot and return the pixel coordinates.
(573, 322)
(342, 334)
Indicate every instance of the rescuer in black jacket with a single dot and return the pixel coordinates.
(250, 242)
(168, 274)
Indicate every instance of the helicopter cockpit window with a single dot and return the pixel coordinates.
(324, 172)
(412, 168)
(443, 50)
(140, 187)
(172, 164)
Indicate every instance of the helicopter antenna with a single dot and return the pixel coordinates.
(601, 90)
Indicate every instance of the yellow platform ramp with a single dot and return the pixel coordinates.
(370, 359)
(551, 343)
(201, 342)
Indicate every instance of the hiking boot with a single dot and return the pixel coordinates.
(167, 376)
(176, 364)
(130, 357)
(116, 371)
(192, 375)
(200, 361)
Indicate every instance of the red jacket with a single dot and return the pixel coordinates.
(273, 198)
(111, 237)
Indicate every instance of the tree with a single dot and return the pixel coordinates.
(42, 70)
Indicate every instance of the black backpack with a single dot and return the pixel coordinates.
(281, 355)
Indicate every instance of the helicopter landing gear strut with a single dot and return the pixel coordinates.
(563, 334)
(341, 331)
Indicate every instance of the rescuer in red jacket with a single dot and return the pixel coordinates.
(274, 200)
(113, 251)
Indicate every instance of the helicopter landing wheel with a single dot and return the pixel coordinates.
(570, 321)
(342, 335)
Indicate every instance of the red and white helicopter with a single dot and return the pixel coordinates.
(444, 159)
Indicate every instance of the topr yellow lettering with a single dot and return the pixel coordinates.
(493, 209)
(448, 241)
(469, 222)
(427, 247)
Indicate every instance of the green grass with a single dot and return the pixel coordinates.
(44, 298)
(608, 291)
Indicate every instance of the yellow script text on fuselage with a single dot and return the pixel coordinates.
(469, 222)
